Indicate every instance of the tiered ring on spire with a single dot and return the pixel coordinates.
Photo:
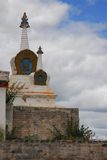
(24, 38)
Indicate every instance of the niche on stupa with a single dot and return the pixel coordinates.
(25, 62)
(40, 77)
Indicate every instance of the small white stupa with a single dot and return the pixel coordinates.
(28, 76)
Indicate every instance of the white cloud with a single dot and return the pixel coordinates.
(75, 54)
(96, 121)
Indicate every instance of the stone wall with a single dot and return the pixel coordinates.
(52, 151)
(40, 121)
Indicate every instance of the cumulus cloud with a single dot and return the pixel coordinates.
(75, 53)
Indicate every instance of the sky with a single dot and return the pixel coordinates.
(73, 36)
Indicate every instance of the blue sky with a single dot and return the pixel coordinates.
(90, 10)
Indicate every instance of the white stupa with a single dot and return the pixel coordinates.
(28, 75)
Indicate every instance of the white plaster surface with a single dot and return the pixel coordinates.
(4, 76)
(24, 40)
(2, 108)
(39, 62)
(30, 94)
(34, 101)
(13, 67)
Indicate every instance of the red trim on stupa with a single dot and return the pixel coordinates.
(3, 84)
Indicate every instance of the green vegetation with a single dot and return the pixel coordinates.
(11, 93)
(11, 135)
(1, 135)
(57, 134)
(72, 132)
(31, 138)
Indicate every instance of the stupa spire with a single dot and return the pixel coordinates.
(39, 63)
(24, 38)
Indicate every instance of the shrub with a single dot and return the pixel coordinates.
(11, 135)
(31, 138)
(57, 135)
(1, 134)
(12, 92)
(72, 132)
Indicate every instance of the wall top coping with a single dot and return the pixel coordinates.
(45, 108)
(4, 76)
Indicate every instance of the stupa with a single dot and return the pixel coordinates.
(28, 75)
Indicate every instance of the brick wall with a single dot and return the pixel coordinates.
(39, 121)
(52, 151)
